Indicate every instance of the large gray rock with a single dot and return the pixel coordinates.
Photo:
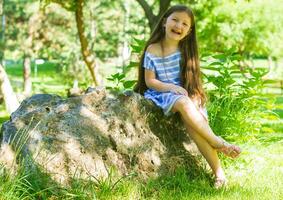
(88, 135)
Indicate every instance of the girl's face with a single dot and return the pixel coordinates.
(177, 26)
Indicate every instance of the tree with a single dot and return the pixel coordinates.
(26, 74)
(23, 37)
(10, 98)
(88, 56)
(252, 27)
(2, 30)
(148, 10)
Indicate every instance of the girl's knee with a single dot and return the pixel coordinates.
(182, 103)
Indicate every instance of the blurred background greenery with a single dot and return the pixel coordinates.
(48, 30)
(50, 46)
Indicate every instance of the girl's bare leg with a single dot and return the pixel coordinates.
(194, 119)
(209, 153)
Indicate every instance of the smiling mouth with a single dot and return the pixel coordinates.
(176, 32)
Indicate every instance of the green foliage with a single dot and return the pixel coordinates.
(67, 4)
(235, 108)
(118, 80)
(138, 45)
(120, 83)
(48, 79)
(113, 24)
(72, 67)
(254, 26)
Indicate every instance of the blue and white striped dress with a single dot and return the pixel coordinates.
(167, 70)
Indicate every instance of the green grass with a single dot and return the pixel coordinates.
(257, 174)
(47, 79)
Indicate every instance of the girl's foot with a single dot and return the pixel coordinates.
(220, 183)
(229, 150)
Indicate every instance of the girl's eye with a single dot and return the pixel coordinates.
(174, 19)
(185, 24)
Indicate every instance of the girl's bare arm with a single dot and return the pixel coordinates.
(153, 83)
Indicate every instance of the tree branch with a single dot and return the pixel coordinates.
(163, 6)
(87, 56)
(148, 13)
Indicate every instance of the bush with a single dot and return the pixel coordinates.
(235, 107)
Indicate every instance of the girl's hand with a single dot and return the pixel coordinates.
(178, 90)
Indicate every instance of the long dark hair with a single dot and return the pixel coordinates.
(190, 70)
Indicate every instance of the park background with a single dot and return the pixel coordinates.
(60, 47)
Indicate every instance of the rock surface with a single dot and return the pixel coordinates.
(90, 134)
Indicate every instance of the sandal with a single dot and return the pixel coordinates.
(229, 150)
(220, 183)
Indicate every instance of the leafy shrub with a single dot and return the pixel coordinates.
(118, 80)
(235, 106)
(120, 83)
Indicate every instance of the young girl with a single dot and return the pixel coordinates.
(169, 75)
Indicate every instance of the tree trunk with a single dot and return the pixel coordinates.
(153, 19)
(27, 79)
(87, 55)
(2, 31)
(10, 99)
(125, 53)
(163, 6)
(1, 6)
